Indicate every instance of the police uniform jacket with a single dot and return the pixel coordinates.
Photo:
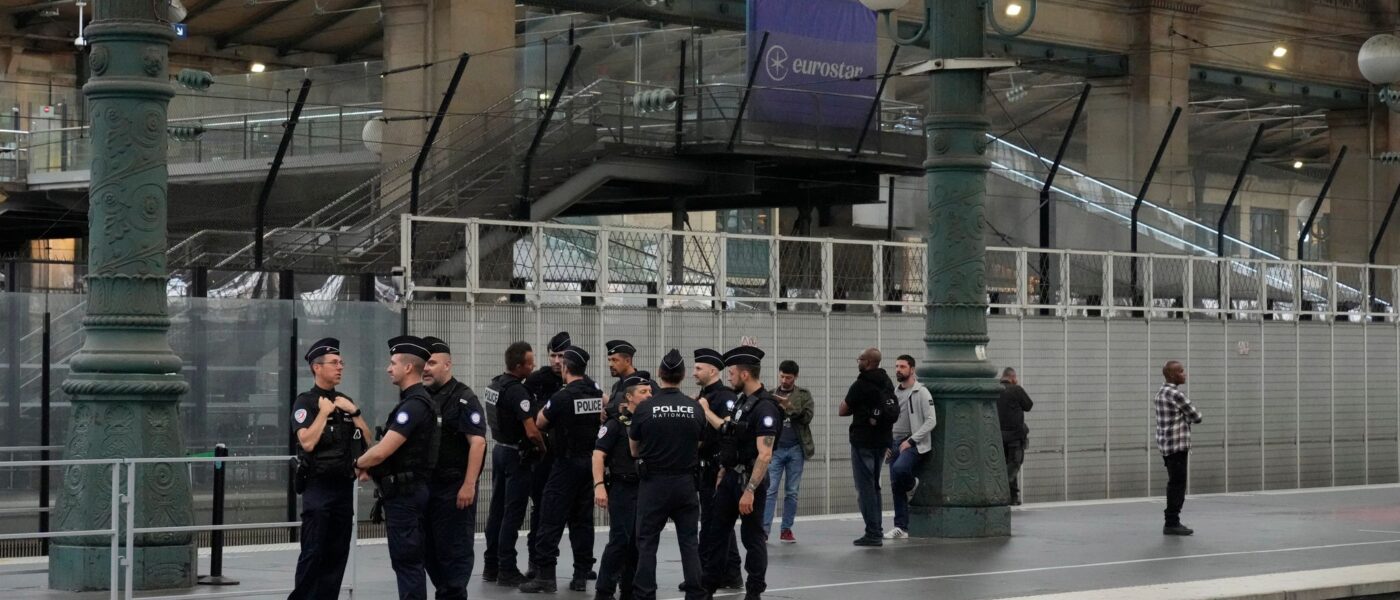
(341, 441)
(667, 429)
(508, 404)
(612, 440)
(762, 417)
(573, 412)
(461, 417)
(416, 418)
(723, 401)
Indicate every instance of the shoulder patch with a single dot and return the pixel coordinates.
(729, 404)
(476, 418)
(548, 404)
(300, 415)
(525, 405)
(767, 421)
(401, 418)
(602, 432)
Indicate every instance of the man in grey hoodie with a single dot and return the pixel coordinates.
(913, 440)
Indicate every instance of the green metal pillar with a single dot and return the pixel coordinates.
(125, 383)
(964, 490)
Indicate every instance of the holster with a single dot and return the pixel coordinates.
(376, 513)
(302, 476)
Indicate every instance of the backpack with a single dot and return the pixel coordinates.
(888, 412)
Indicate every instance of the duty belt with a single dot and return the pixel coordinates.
(400, 479)
(668, 472)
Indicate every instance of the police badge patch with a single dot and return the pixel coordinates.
(602, 432)
(767, 421)
(525, 405)
(476, 418)
(401, 418)
(300, 415)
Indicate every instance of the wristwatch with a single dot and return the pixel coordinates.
(750, 487)
(358, 412)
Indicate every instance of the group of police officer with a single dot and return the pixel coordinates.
(646, 452)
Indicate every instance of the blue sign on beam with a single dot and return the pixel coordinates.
(180, 30)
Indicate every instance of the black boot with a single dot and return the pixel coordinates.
(542, 583)
(489, 575)
(512, 578)
(579, 584)
(531, 571)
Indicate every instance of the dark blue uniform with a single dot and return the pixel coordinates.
(667, 429)
(722, 401)
(619, 565)
(760, 417)
(327, 498)
(543, 384)
(508, 405)
(574, 413)
(403, 484)
(449, 548)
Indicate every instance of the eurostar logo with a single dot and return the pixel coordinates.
(777, 63)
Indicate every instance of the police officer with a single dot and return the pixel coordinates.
(543, 384)
(709, 365)
(331, 433)
(665, 436)
(745, 449)
(452, 490)
(518, 446)
(403, 462)
(575, 412)
(615, 489)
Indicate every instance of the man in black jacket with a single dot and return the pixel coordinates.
(1012, 407)
(870, 438)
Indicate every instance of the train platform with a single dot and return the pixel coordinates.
(1323, 543)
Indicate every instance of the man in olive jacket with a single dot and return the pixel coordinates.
(792, 450)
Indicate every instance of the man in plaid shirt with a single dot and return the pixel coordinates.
(1175, 414)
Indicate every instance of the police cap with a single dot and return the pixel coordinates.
(673, 361)
(620, 347)
(743, 355)
(436, 345)
(323, 347)
(637, 378)
(560, 342)
(411, 345)
(577, 355)
(709, 357)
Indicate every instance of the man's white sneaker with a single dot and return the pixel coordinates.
(896, 533)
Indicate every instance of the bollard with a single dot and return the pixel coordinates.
(216, 537)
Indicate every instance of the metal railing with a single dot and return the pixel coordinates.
(118, 497)
(549, 262)
(14, 155)
(123, 509)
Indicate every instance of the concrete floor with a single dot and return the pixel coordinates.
(1057, 548)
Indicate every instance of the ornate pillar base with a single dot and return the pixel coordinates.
(964, 492)
(85, 568)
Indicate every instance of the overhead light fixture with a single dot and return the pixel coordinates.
(1297, 164)
(257, 67)
(1013, 10)
(1280, 51)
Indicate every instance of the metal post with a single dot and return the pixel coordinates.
(748, 89)
(875, 103)
(1376, 245)
(1142, 195)
(287, 291)
(1234, 193)
(1047, 208)
(968, 454)
(45, 412)
(259, 218)
(522, 207)
(433, 131)
(680, 101)
(1321, 196)
(216, 537)
(126, 378)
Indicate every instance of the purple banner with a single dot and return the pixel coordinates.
(823, 52)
